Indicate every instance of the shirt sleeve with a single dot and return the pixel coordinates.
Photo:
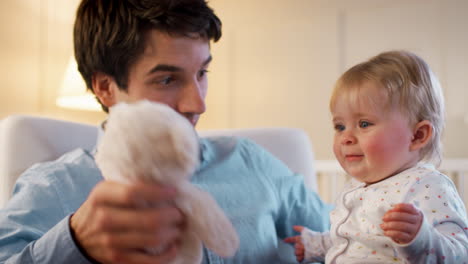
(34, 227)
(443, 236)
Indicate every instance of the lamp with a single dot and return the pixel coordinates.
(73, 93)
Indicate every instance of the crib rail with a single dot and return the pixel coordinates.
(331, 177)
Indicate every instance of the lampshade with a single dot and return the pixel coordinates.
(73, 93)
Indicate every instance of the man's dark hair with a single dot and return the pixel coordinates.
(109, 35)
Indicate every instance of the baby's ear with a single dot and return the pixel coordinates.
(422, 134)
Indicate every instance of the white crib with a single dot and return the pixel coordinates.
(331, 177)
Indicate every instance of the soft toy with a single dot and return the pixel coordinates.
(150, 142)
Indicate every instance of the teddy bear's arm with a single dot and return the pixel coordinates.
(208, 221)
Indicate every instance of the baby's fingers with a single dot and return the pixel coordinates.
(293, 239)
(298, 228)
(299, 251)
(403, 213)
(404, 208)
(402, 217)
(399, 227)
(399, 237)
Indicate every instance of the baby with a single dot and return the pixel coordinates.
(388, 116)
(149, 142)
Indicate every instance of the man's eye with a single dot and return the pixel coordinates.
(364, 124)
(202, 73)
(166, 81)
(339, 127)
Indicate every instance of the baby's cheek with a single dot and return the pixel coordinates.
(336, 150)
(376, 147)
(339, 156)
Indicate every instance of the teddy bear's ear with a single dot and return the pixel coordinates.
(206, 219)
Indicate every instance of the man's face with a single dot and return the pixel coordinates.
(172, 70)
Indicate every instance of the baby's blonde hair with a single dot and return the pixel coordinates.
(409, 85)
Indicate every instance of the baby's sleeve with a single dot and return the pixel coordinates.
(316, 245)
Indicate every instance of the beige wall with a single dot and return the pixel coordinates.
(36, 42)
(279, 59)
(274, 66)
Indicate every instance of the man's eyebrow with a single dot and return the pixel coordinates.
(207, 61)
(172, 68)
(164, 68)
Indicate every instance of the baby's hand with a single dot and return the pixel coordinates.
(402, 223)
(298, 246)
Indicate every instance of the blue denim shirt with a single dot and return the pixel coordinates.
(259, 194)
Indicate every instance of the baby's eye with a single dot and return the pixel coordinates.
(364, 124)
(339, 127)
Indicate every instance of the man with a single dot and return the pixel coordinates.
(63, 211)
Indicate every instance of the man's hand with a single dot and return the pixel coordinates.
(402, 223)
(299, 250)
(116, 223)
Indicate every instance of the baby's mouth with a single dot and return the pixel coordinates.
(354, 157)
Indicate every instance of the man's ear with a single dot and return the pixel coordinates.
(104, 88)
(422, 135)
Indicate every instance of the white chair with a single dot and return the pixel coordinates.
(26, 140)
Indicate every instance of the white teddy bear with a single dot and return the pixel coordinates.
(150, 142)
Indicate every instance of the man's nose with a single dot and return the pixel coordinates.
(192, 98)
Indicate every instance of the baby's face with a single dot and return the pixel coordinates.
(372, 142)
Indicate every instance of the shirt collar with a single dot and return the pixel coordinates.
(100, 133)
(206, 152)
